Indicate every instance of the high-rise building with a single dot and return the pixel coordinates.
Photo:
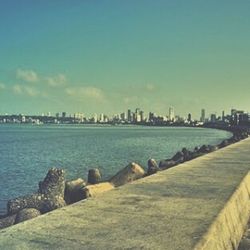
(171, 114)
(203, 115)
(213, 118)
(223, 116)
(63, 114)
(189, 117)
(142, 116)
(129, 115)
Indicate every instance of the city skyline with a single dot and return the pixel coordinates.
(102, 57)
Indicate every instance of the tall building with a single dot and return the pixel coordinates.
(223, 116)
(189, 117)
(129, 115)
(171, 114)
(63, 114)
(203, 115)
(213, 118)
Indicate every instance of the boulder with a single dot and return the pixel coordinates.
(73, 190)
(94, 190)
(178, 157)
(49, 196)
(128, 174)
(165, 164)
(52, 203)
(224, 143)
(186, 154)
(26, 214)
(28, 201)
(94, 176)
(152, 167)
(244, 244)
(204, 149)
(7, 221)
(53, 184)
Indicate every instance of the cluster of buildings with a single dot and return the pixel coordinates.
(137, 116)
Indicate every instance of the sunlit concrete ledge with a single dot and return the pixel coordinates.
(200, 204)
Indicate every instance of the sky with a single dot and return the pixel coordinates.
(107, 56)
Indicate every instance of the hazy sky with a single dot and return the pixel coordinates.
(106, 56)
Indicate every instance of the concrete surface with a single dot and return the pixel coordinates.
(201, 204)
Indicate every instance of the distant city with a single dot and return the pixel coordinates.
(137, 116)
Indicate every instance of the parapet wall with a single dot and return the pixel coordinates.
(200, 204)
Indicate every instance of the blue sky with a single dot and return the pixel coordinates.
(107, 56)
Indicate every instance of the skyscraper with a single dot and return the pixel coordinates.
(129, 115)
(203, 115)
(171, 114)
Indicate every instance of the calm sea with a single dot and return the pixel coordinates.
(27, 152)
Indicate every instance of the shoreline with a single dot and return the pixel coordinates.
(153, 167)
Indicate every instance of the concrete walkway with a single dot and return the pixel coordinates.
(201, 204)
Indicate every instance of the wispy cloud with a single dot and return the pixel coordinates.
(27, 75)
(150, 87)
(31, 91)
(87, 92)
(2, 86)
(17, 89)
(55, 81)
(26, 90)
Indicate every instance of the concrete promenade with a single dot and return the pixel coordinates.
(201, 204)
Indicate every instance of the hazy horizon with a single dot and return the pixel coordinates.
(108, 56)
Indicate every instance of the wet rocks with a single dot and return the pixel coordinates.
(26, 214)
(7, 221)
(128, 174)
(53, 184)
(165, 164)
(94, 176)
(49, 196)
(152, 167)
(73, 190)
(28, 201)
(178, 157)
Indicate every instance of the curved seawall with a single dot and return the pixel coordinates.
(201, 204)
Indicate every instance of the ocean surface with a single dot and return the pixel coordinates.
(27, 152)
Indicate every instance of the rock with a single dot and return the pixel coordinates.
(28, 201)
(130, 173)
(50, 195)
(52, 203)
(94, 176)
(53, 184)
(204, 149)
(178, 157)
(152, 167)
(7, 221)
(94, 190)
(244, 244)
(224, 143)
(73, 190)
(165, 164)
(26, 214)
(186, 154)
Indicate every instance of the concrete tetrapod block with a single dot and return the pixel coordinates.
(73, 190)
(94, 190)
(26, 214)
(128, 174)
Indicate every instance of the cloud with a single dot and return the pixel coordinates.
(25, 90)
(31, 91)
(150, 87)
(27, 75)
(2, 86)
(17, 89)
(56, 81)
(87, 92)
